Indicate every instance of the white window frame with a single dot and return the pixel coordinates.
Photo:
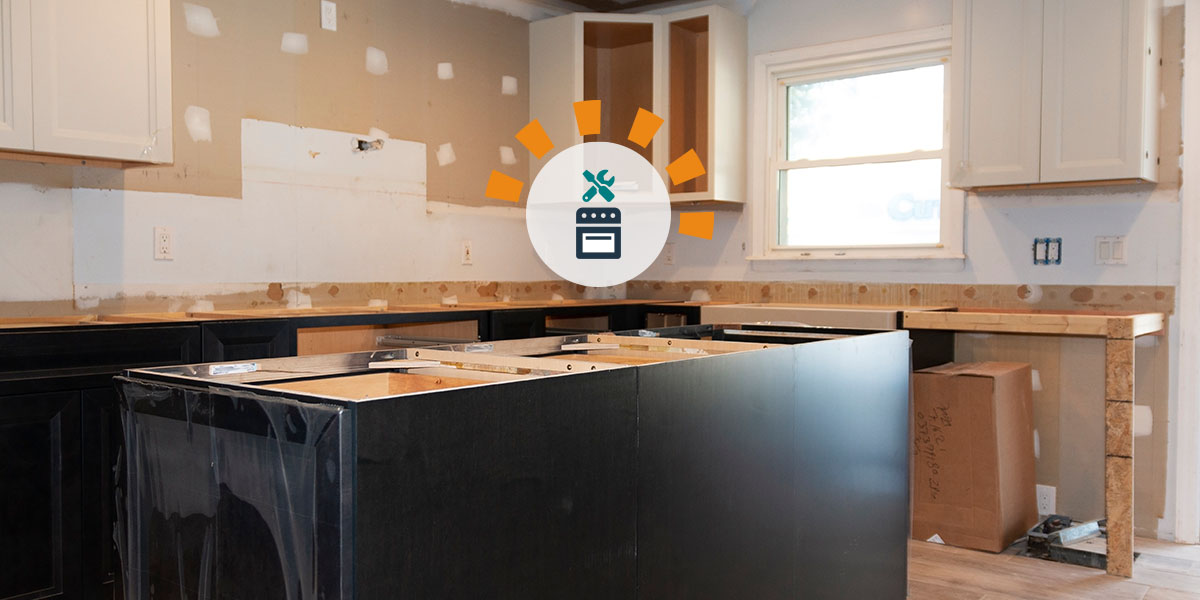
(772, 73)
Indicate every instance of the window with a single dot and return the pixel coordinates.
(854, 152)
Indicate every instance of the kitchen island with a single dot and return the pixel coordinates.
(585, 466)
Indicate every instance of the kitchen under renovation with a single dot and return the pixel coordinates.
(599, 299)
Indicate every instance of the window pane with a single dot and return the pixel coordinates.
(882, 113)
(879, 204)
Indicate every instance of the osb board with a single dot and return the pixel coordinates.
(373, 385)
(1069, 417)
(402, 295)
(243, 74)
(357, 338)
(433, 293)
(1015, 296)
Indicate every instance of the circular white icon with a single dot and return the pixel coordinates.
(613, 235)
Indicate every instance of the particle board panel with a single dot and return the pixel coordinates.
(1118, 429)
(1017, 296)
(662, 344)
(620, 359)
(1119, 370)
(373, 385)
(354, 338)
(1118, 506)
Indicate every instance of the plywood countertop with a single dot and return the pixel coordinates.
(1087, 324)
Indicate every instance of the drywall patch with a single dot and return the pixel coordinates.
(378, 133)
(1031, 294)
(507, 156)
(445, 154)
(294, 43)
(508, 85)
(198, 123)
(377, 63)
(200, 20)
(298, 299)
(445, 70)
(201, 306)
(1143, 421)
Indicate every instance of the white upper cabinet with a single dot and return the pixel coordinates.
(706, 101)
(87, 79)
(102, 78)
(1054, 91)
(581, 56)
(687, 67)
(16, 126)
(996, 103)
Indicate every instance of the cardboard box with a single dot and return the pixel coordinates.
(972, 447)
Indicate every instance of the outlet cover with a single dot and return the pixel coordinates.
(1047, 499)
(163, 243)
(669, 253)
(466, 252)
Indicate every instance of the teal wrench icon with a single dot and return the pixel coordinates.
(599, 185)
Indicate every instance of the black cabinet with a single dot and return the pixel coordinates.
(101, 441)
(60, 437)
(517, 324)
(40, 491)
(246, 340)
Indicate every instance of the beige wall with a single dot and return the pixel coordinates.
(243, 74)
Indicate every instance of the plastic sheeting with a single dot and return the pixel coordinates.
(233, 496)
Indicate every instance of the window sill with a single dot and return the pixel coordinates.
(782, 262)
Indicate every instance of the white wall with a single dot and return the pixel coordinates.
(311, 211)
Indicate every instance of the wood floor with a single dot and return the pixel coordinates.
(1164, 571)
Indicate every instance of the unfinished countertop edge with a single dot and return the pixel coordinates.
(1124, 326)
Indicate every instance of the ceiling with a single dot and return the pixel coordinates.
(616, 5)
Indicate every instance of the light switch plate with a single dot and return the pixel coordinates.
(1111, 250)
(328, 15)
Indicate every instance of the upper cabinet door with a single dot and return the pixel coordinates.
(102, 78)
(16, 103)
(1100, 80)
(996, 81)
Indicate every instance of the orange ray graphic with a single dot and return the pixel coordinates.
(503, 187)
(645, 125)
(587, 117)
(685, 168)
(534, 138)
(697, 224)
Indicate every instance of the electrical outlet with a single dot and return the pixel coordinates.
(466, 252)
(328, 15)
(1046, 499)
(669, 253)
(1047, 251)
(163, 243)
(1111, 250)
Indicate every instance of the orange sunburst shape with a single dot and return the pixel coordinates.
(587, 120)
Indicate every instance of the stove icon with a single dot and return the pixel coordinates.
(598, 233)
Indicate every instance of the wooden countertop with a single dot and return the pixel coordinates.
(278, 312)
(1088, 324)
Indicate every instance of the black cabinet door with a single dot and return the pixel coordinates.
(40, 496)
(102, 443)
(244, 340)
(517, 324)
